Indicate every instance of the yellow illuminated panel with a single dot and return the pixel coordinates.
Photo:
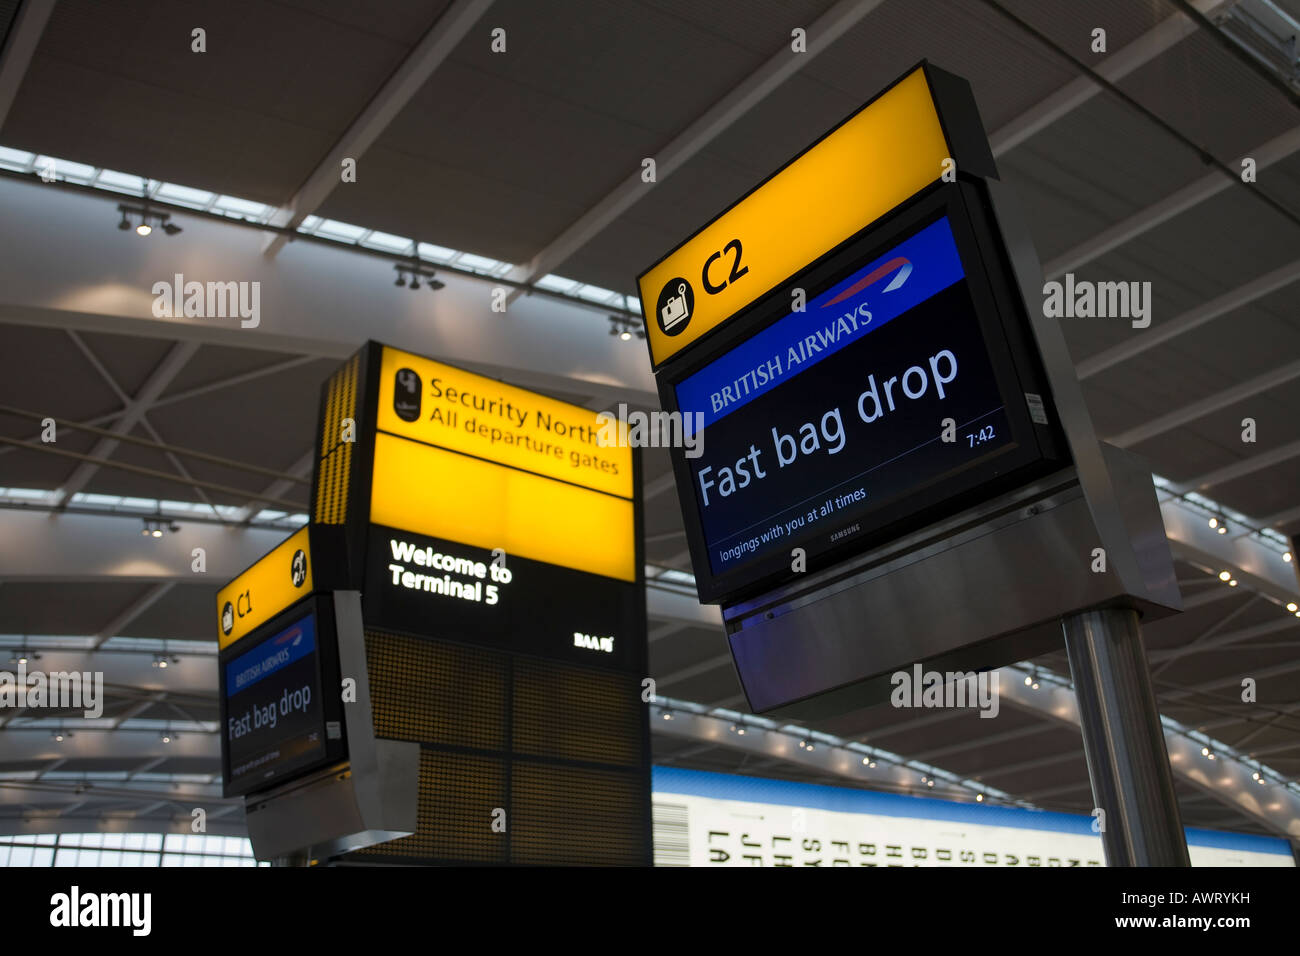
(439, 493)
(265, 589)
(878, 158)
(431, 402)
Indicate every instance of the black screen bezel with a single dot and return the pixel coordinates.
(1036, 449)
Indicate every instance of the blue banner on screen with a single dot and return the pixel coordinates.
(882, 290)
(824, 426)
(294, 642)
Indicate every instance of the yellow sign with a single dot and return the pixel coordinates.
(889, 150)
(265, 589)
(449, 407)
(439, 493)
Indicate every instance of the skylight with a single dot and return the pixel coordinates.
(109, 180)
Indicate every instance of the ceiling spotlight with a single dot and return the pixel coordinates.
(741, 732)
(413, 272)
(667, 716)
(173, 527)
(1255, 775)
(1225, 575)
(1232, 583)
(1260, 781)
(979, 798)
(170, 228)
(1205, 751)
(157, 531)
(125, 223)
(166, 738)
(625, 327)
(929, 783)
(60, 735)
(1293, 607)
(1028, 680)
(1222, 528)
(143, 229)
(1214, 522)
(1034, 685)
(1286, 556)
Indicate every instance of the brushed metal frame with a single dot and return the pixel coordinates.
(370, 799)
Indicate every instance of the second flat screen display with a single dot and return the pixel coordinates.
(818, 428)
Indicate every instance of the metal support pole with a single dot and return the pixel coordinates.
(1123, 740)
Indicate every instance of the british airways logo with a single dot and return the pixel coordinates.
(898, 264)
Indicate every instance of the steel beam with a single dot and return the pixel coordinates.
(822, 33)
(400, 88)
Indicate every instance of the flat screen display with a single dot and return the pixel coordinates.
(886, 391)
(274, 712)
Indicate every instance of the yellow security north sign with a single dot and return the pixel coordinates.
(883, 154)
(265, 589)
(437, 404)
(442, 494)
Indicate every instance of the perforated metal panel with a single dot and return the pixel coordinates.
(334, 472)
(458, 796)
(575, 815)
(436, 693)
(562, 749)
(576, 714)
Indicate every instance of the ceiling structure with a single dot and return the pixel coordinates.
(531, 158)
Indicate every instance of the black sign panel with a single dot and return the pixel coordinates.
(428, 586)
(279, 713)
(895, 386)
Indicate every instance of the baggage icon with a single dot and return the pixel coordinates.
(675, 309)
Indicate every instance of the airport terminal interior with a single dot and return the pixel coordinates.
(312, 313)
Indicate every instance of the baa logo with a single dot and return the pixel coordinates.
(298, 570)
(406, 395)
